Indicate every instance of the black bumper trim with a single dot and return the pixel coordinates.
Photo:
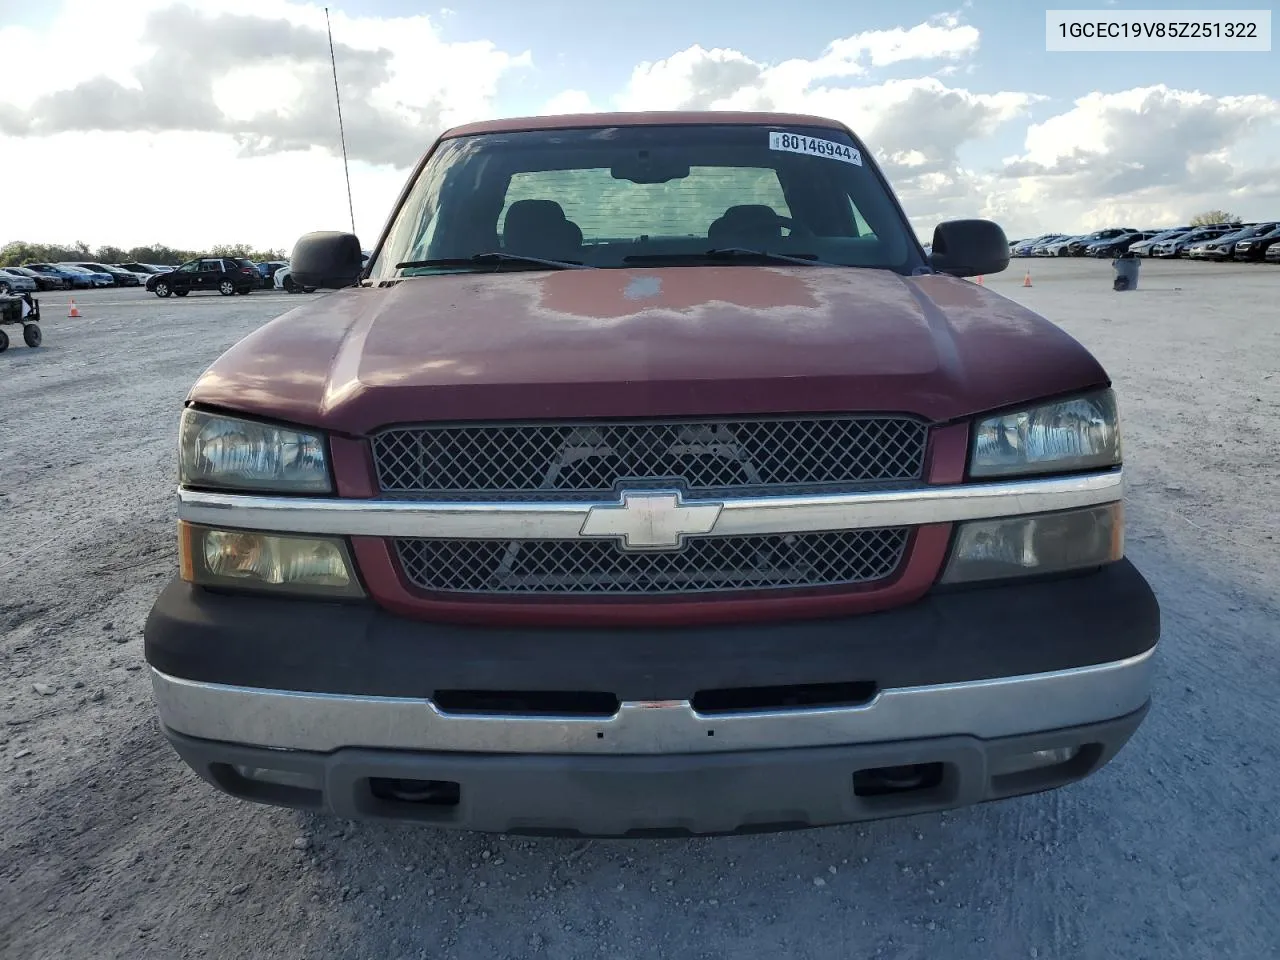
(630, 796)
(360, 649)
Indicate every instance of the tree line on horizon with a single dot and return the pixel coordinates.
(1214, 216)
(18, 252)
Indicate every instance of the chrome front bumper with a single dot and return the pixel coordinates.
(322, 723)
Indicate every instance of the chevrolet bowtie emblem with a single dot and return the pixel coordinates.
(653, 520)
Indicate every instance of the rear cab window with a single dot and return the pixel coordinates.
(607, 209)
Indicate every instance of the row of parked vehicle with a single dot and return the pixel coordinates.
(1258, 241)
(226, 275)
(31, 277)
(245, 275)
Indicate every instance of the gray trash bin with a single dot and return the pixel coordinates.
(1126, 270)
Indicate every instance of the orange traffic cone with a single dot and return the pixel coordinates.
(1026, 281)
(980, 283)
(75, 311)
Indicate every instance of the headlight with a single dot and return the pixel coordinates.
(281, 564)
(1078, 434)
(221, 451)
(1038, 544)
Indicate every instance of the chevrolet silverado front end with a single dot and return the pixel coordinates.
(650, 479)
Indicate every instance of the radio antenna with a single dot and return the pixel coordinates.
(342, 136)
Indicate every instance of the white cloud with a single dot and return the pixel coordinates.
(187, 66)
(697, 78)
(1154, 126)
(568, 101)
(1150, 155)
(239, 92)
(942, 38)
(693, 79)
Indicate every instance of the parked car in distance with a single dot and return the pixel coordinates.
(95, 268)
(268, 271)
(119, 276)
(1054, 248)
(43, 281)
(1024, 248)
(282, 279)
(552, 518)
(143, 271)
(142, 276)
(11, 281)
(1220, 248)
(96, 278)
(75, 279)
(249, 269)
(224, 275)
(1177, 246)
(1115, 246)
(1256, 247)
(1143, 247)
(1076, 248)
(1224, 247)
(1273, 253)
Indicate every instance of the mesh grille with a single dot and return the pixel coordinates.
(594, 567)
(722, 457)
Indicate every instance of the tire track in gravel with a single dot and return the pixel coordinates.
(121, 876)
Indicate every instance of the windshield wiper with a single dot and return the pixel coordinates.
(732, 253)
(494, 258)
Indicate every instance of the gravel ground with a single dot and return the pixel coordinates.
(109, 847)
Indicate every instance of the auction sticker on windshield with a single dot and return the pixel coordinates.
(794, 143)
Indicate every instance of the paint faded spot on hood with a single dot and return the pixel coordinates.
(641, 287)
(685, 292)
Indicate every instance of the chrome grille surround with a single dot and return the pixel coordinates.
(827, 520)
(602, 568)
(718, 457)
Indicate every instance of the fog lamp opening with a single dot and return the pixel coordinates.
(1034, 760)
(283, 778)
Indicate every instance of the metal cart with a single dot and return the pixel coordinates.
(22, 309)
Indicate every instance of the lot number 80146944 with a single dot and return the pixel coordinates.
(795, 143)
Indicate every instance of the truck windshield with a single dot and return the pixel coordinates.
(647, 195)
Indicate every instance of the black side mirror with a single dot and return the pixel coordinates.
(969, 248)
(326, 260)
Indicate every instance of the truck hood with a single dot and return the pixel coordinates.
(675, 341)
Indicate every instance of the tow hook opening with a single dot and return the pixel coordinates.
(888, 781)
(427, 793)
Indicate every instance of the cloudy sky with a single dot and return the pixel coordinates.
(171, 121)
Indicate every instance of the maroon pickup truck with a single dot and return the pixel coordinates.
(651, 479)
